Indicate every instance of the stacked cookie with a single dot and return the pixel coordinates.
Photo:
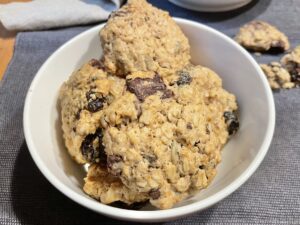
(150, 124)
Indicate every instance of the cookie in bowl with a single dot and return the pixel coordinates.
(159, 140)
(140, 37)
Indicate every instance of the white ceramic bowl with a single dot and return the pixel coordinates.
(211, 5)
(241, 156)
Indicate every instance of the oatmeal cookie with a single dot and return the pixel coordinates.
(174, 145)
(261, 36)
(140, 37)
(277, 76)
(101, 185)
(291, 62)
(82, 98)
(150, 137)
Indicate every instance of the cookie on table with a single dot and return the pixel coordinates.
(140, 37)
(101, 185)
(277, 76)
(261, 36)
(174, 145)
(291, 62)
(82, 99)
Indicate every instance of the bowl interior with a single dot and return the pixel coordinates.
(241, 155)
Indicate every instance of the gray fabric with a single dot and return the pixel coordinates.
(44, 14)
(270, 196)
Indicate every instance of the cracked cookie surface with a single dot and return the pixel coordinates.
(101, 185)
(261, 36)
(140, 37)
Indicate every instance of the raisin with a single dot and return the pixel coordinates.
(184, 78)
(112, 164)
(232, 121)
(96, 63)
(294, 69)
(154, 194)
(95, 103)
(144, 87)
(92, 148)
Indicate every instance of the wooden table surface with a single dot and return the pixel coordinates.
(7, 41)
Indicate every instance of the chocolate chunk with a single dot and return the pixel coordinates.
(144, 87)
(154, 194)
(232, 121)
(133, 206)
(92, 148)
(278, 44)
(96, 63)
(95, 102)
(184, 78)
(112, 164)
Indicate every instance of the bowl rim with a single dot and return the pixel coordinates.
(206, 7)
(157, 215)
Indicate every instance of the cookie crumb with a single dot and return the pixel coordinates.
(277, 76)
